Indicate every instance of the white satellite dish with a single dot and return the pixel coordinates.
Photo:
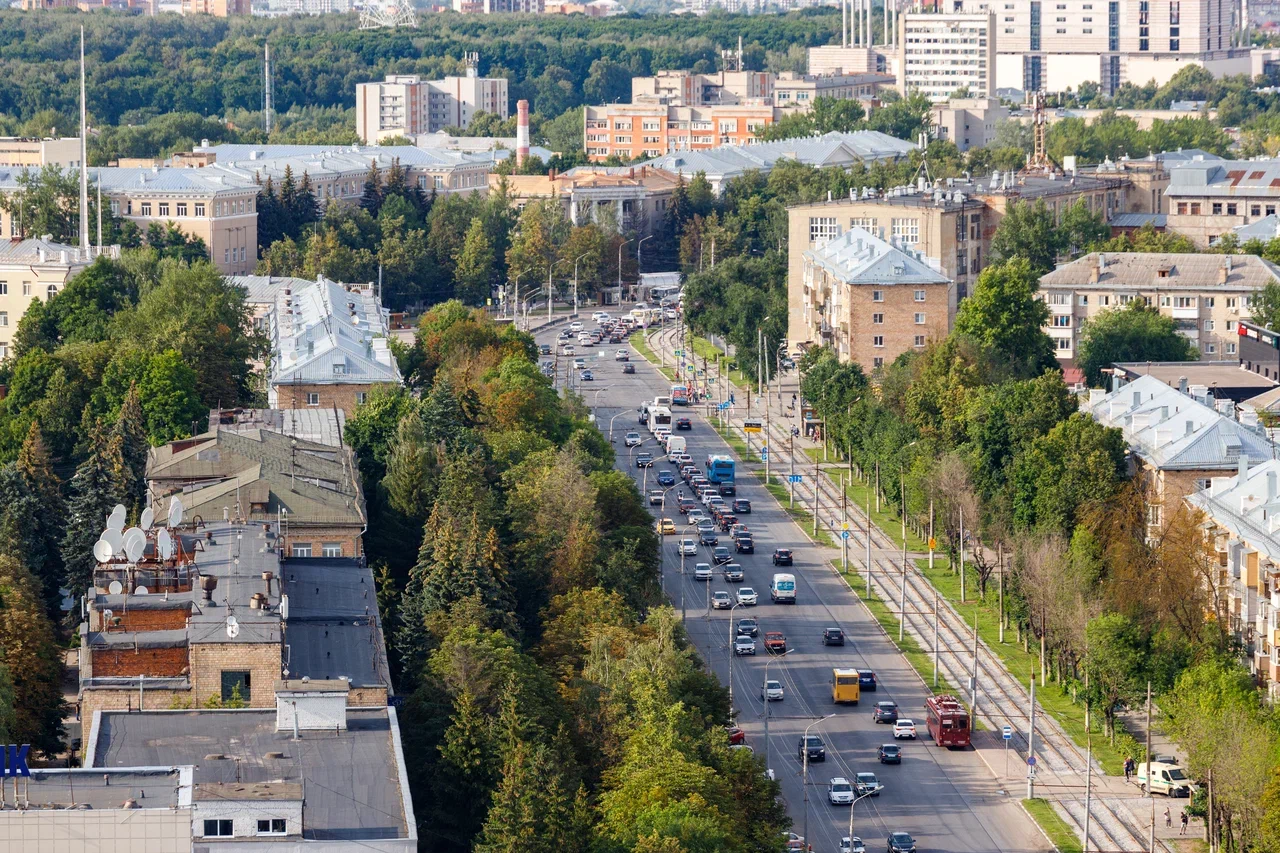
(115, 588)
(135, 548)
(142, 590)
(117, 518)
(284, 607)
(233, 627)
(102, 550)
(148, 518)
(108, 615)
(115, 539)
(175, 512)
(135, 533)
(164, 544)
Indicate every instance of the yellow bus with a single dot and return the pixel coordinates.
(844, 686)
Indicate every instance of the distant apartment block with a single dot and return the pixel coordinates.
(969, 122)
(35, 269)
(217, 8)
(498, 7)
(1060, 45)
(942, 54)
(284, 8)
(1206, 295)
(38, 153)
(631, 131)
(724, 88)
(406, 105)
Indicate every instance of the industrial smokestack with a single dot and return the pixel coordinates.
(522, 132)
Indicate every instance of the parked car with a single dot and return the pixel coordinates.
(749, 626)
(746, 545)
(867, 679)
(720, 600)
(839, 792)
(747, 597)
(901, 842)
(743, 644)
(688, 548)
(890, 753)
(736, 735)
(742, 506)
(867, 783)
(666, 478)
(904, 728)
(782, 557)
(702, 572)
(832, 637)
(772, 691)
(684, 423)
(813, 747)
(775, 642)
(884, 712)
(732, 572)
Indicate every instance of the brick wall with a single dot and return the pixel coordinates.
(261, 660)
(348, 536)
(123, 699)
(145, 620)
(291, 396)
(367, 697)
(160, 663)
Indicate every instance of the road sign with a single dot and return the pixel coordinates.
(722, 406)
(933, 546)
(679, 352)
(1007, 732)
(794, 478)
(845, 526)
(1031, 761)
(751, 426)
(844, 534)
(764, 454)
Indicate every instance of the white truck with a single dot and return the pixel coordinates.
(782, 589)
(676, 444)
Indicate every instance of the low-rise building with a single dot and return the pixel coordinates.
(638, 195)
(329, 347)
(646, 129)
(969, 122)
(1242, 542)
(36, 269)
(1259, 350)
(1224, 379)
(722, 88)
(1206, 295)
(217, 8)
(407, 105)
(37, 153)
(1209, 198)
(869, 300)
(1179, 439)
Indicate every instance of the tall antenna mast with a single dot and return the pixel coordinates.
(84, 156)
(266, 90)
(99, 214)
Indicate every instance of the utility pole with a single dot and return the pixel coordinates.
(973, 710)
(1000, 568)
(1031, 742)
(791, 483)
(930, 534)
(868, 538)
(844, 528)
(935, 641)
(815, 497)
(1151, 840)
(1088, 786)
(962, 555)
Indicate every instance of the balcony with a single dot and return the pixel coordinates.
(1191, 313)
(1063, 308)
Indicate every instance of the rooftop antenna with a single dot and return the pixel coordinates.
(84, 156)
(266, 90)
(1040, 129)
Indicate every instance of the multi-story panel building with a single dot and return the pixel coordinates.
(940, 54)
(1206, 295)
(36, 269)
(1057, 45)
(406, 105)
(870, 300)
(788, 89)
(1207, 198)
(631, 131)
(969, 122)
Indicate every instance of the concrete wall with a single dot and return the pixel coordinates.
(245, 815)
(97, 830)
(261, 660)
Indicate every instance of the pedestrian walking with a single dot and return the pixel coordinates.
(1183, 830)
(1168, 819)
(1128, 767)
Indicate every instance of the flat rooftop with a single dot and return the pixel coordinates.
(149, 787)
(1211, 374)
(334, 629)
(237, 555)
(351, 778)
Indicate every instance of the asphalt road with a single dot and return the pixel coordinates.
(948, 800)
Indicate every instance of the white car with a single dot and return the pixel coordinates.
(852, 845)
(569, 350)
(720, 600)
(707, 494)
(772, 691)
(744, 645)
(840, 792)
(621, 355)
(575, 326)
(600, 317)
(904, 728)
(696, 517)
(702, 572)
(689, 547)
(579, 364)
(747, 596)
(633, 439)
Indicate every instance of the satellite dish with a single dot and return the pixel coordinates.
(115, 588)
(135, 533)
(164, 544)
(175, 512)
(148, 518)
(117, 518)
(233, 627)
(284, 607)
(135, 548)
(107, 615)
(142, 590)
(115, 539)
(102, 550)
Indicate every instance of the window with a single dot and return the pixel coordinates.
(920, 319)
(360, 396)
(146, 208)
(4, 288)
(302, 550)
(1104, 300)
(51, 291)
(877, 296)
(877, 340)
(1208, 325)
(26, 288)
(4, 318)
(920, 294)
(1208, 301)
(164, 208)
(1231, 325)
(1255, 210)
(340, 370)
(331, 549)
(877, 362)
(1233, 302)
(1210, 349)
(1153, 514)
(271, 826)
(907, 230)
(822, 228)
(1231, 208)
(4, 349)
(182, 208)
(1164, 302)
(1062, 321)
(919, 340)
(1062, 343)
(199, 208)
(1195, 208)
(975, 226)
(217, 829)
(235, 684)
(1217, 208)
(439, 182)
(877, 319)
(1231, 350)
(1270, 209)
(313, 398)
(1084, 300)
(1184, 302)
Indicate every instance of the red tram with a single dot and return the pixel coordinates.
(948, 721)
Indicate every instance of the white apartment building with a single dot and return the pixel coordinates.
(1206, 295)
(36, 269)
(1057, 45)
(406, 105)
(940, 54)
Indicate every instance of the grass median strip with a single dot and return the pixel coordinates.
(1060, 835)
(642, 346)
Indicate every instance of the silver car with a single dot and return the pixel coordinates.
(744, 645)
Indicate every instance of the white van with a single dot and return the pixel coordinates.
(1165, 778)
(782, 589)
(676, 444)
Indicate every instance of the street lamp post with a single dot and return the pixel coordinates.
(683, 536)
(851, 805)
(732, 653)
(639, 246)
(611, 420)
(769, 660)
(804, 776)
(551, 266)
(575, 282)
(620, 245)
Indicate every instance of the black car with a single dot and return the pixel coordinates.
(884, 712)
(728, 489)
(901, 842)
(742, 506)
(721, 555)
(644, 460)
(545, 349)
(866, 679)
(813, 746)
(628, 368)
(666, 478)
(746, 545)
(832, 637)
(890, 753)
(708, 537)
(748, 625)
(782, 557)
(684, 423)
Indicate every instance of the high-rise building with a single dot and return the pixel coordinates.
(941, 54)
(1057, 45)
(406, 105)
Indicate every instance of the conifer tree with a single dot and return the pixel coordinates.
(95, 489)
(371, 198)
(132, 431)
(30, 652)
(43, 531)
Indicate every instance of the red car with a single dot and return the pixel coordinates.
(775, 642)
(736, 736)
